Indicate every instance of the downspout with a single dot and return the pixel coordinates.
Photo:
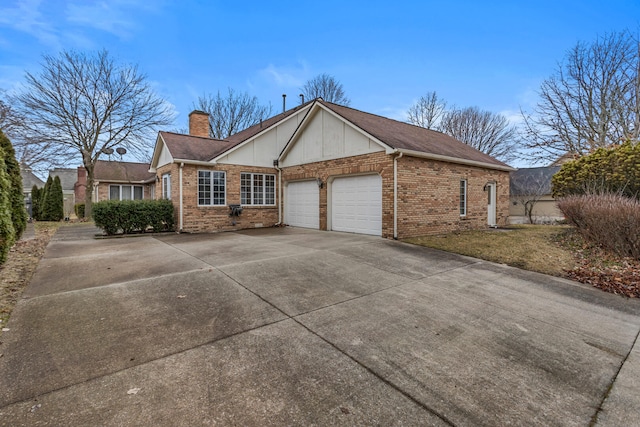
(180, 180)
(275, 164)
(395, 195)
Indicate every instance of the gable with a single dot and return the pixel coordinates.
(326, 136)
(262, 149)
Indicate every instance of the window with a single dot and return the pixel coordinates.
(126, 192)
(166, 186)
(463, 197)
(257, 189)
(211, 188)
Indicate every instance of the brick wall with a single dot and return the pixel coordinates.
(379, 163)
(101, 192)
(198, 219)
(429, 197)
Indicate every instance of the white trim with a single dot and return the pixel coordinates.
(264, 189)
(311, 114)
(395, 195)
(180, 196)
(212, 205)
(457, 160)
(463, 197)
(259, 134)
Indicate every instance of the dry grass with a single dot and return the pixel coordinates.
(21, 263)
(530, 247)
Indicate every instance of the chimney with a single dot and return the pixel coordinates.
(80, 187)
(199, 123)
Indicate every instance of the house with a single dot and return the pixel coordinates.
(28, 181)
(67, 181)
(113, 180)
(531, 191)
(329, 167)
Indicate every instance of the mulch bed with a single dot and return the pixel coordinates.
(602, 269)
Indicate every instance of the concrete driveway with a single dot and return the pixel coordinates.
(297, 327)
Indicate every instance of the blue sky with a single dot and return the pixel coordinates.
(491, 54)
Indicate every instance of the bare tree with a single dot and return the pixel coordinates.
(529, 185)
(82, 104)
(591, 101)
(427, 111)
(326, 87)
(231, 113)
(485, 131)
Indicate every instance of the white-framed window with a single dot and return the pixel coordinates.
(166, 186)
(126, 192)
(463, 197)
(211, 188)
(257, 189)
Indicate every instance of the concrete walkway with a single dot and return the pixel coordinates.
(298, 327)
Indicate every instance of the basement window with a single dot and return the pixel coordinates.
(463, 197)
(211, 188)
(257, 189)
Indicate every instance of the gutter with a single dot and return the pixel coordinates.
(395, 195)
(275, 165)
(449, 159)
(181, 208)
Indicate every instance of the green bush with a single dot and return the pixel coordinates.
(606, 170)
(16, 197)
(7, 232)
(611, 221)
(79, 210)
(129, 216)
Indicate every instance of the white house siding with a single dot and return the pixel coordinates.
(325, 137)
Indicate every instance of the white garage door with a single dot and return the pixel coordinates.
(356, 204)
(302, 204)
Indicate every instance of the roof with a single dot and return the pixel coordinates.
(68, 177)
(187, 147)
(527, 181)
(122, 171)
(405, 136)
(29, 179)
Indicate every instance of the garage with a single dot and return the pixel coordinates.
(356, 204)
(302, 204)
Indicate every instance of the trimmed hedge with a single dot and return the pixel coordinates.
(611, 221)
(133, 216)
(16, 198)
(7, 232)
(79, 210)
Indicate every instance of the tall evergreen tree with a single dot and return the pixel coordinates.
(42, 213)
(57, 200)
(7, 233)
(16, 197)
(36, 201)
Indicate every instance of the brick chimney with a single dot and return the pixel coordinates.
(80, 186)
(199, 123)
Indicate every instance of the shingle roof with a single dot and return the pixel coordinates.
(68, 177)
(528, 181)
(189, 147)
(29, 179)
(122, 171)
(405, 136)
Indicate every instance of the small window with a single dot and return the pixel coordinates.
(463, 197)
(211, 188)
(166, 186)
(257, 189)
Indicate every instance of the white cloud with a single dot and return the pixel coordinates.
(27, 17)
(114, 16)
(286, 76)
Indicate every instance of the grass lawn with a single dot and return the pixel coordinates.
(530, 247)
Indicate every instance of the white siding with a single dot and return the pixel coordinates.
(265, 148)
(327, 137)
(165, 157)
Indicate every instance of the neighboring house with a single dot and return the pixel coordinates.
(117, 181)
(28, 181)
(531, 190)
(68, 178)
(329, 167)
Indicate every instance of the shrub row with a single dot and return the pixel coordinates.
(79, 210)
(609, 220)
(130, 216)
